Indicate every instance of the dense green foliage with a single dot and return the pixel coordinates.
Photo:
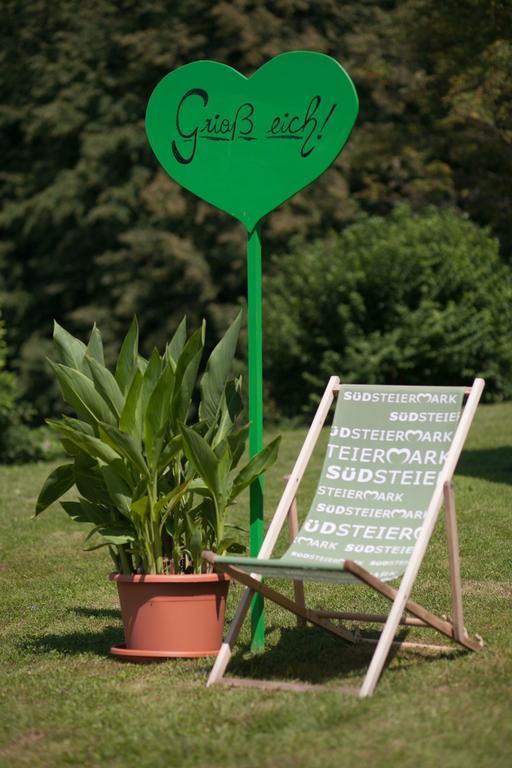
(93, 230)
(154, 484)
(18, 442)
(7, 382)
(407, 298)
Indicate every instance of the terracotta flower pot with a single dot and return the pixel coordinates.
(171, 616)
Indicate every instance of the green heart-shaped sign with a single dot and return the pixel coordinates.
(246, 145)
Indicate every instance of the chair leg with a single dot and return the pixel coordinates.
(454, 560)
(382, 649)
(226, 649)
(293, 529)
(401, 603)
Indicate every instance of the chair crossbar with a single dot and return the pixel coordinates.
(285, 602)
(417, 610)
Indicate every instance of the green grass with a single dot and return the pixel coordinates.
(65, 701)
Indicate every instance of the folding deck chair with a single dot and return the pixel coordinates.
(391, 455)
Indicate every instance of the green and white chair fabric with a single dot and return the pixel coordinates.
(390, 458)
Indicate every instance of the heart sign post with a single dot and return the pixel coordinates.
(246, 145)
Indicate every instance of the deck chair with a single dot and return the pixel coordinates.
(391, 455)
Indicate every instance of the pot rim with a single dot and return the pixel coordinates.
(155, 578)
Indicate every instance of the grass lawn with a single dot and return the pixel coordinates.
(65, 701)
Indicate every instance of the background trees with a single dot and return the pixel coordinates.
(407, 298)
(92, 229)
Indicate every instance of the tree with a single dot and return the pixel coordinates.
(409, 298)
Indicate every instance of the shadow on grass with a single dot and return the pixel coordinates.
(97, 613)
(72, 643)
(494, 464)
(312, 656)
(306, 654)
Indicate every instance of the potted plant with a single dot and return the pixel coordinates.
(155, 478)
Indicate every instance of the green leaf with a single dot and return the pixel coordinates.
(230, 408)
(79, 392)
(124, 445)
(197, 485)
(157, 414)
(202, 457)
(90, 483)
(93, 446)
(56, 484)
(230, 545)
(224, 456)
(97, 513)
(151, 377)
(140, 507)
(69, 448)
(70, 351)
(130, 420)
(142, 363)
(83, 513)
(106, 385)
(166, 504)
(237, 442)
(177, 343)
(113, 531)
(95, 346)
(127, 360)
(117, 487)
(169, 451)
(195, 545)
(186, 376)
(217, 371)
(105, 543)
(77, 425)
(111, 537)
(256, 467)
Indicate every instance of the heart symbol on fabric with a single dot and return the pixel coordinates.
(424, 397)
(413, 434)
(246, 145)
(402, 454)
(370, 494)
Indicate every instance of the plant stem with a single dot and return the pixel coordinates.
(157, 547)
(219, 515)
(125, 559)
(154, 525)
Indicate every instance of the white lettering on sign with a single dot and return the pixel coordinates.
(383, 456)
(400, 397)
(424, 416)
(390, 435)
(387, 563)
(384, 514)
(391, 533)
(379, 549)
(402, 445)
(381, 476)
(316, 557)
(317, 543)
(352, 493)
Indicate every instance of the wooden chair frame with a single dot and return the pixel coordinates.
(404, 611)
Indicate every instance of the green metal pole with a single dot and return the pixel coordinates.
(255, 321)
